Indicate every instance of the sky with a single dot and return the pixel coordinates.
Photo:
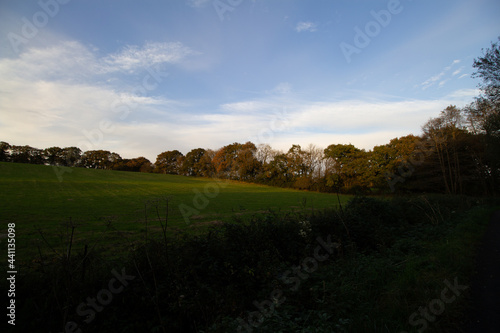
(142, 77)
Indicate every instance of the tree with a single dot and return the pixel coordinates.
(279, 172)
(99, 159)
(236, 161)
(206, 166)
(224, 161)
(265, 153)
(457, 152)
(169, 162)
(192, 165)
(4, 151)
(53, 156)
(390, 159)
(296, 164)
(488, 70)
(139, 164)
(488, 106)
(349, 167)
(247, 164)
(71, 156)
(26, 154)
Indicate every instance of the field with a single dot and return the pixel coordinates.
(383, 258)
(40, 202)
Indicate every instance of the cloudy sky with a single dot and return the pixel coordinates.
(142, 77)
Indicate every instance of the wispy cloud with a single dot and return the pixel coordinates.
(246, 106)
(306, 26)
(134, 57)
(431, 81)
(66, 92)
(198, 3)
(73, 61)
(438, 78)
(62, 95)
(283, 88)
(458, 71)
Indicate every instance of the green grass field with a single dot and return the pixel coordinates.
(35, 198)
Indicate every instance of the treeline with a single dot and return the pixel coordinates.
(457, 153)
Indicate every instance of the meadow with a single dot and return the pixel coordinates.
(94, 201)
(245, 259)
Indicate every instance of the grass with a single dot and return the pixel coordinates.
(393, 255)
(33, 197)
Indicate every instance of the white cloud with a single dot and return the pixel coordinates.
(69, 59)
(246, 106)
(464, 95)
(61, 96)
(437, 78)
(458, 71)
(67, 95)
(431, 81)
(133, 57)
(306, 26)
(198, 3)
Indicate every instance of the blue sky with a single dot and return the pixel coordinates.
(143, 77)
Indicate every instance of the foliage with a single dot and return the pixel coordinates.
(391, 257)
(169, 162)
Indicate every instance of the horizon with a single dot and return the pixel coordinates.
(144, 78)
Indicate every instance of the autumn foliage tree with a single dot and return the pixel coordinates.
(192, 164)
(236, 161)
(139, 164)
(169, 162)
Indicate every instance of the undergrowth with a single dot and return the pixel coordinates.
(365, 268)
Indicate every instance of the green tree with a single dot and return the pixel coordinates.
(169, 162)
(279, 172)
(192, 165)
(387, 161)
(26, 154)
(99, 159)
(71, 156)
(53, 156)
(349, 167)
